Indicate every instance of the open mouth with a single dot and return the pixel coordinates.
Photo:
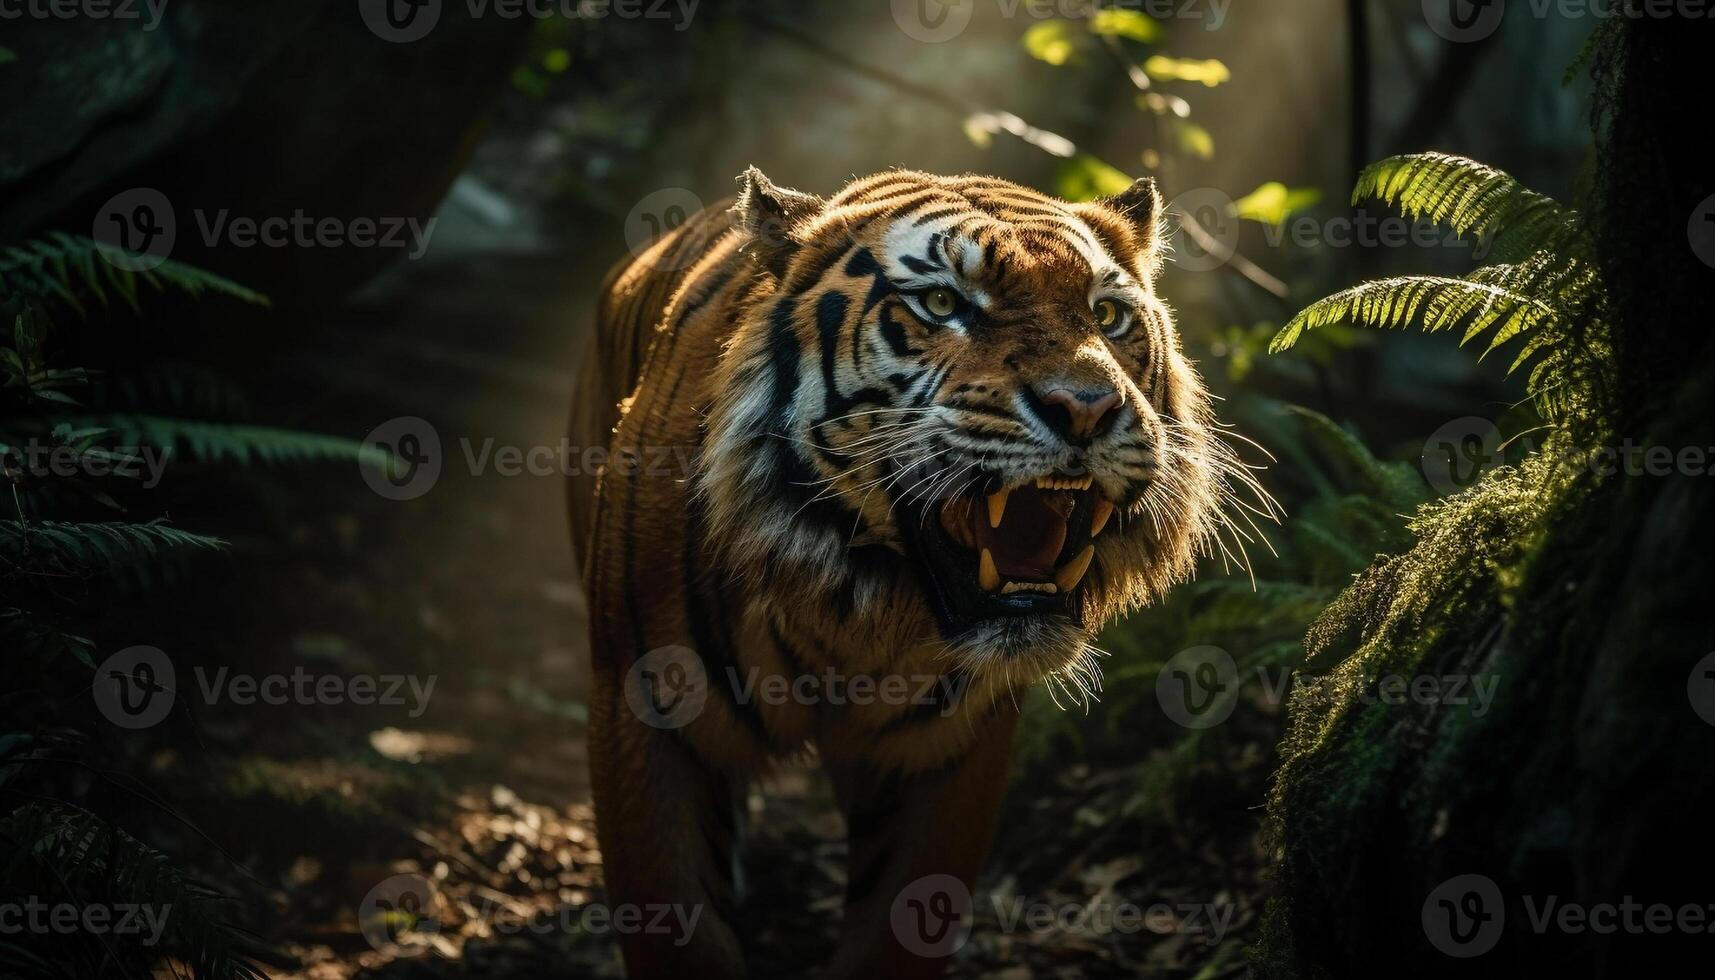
(1012, 552)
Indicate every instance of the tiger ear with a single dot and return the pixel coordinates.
(1141, 204)
(768, 214)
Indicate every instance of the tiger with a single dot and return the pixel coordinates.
(940, 429)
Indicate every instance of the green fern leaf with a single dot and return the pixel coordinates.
(63, 850)
(69, 268)
(110, 549)
(216, 442)
(1473, 199)
(1391, 304)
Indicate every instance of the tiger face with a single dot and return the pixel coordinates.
(956, 413)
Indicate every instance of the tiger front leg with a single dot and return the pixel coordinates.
(917, 844)
(669, 825)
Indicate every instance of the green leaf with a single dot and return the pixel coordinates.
(1085, 178)
(1052, 41)
(978, 132)
(1274, 202)
(1119, 22)
(69, 268)
(218, 442)
(1209, 72)
(117, 550)
(1474, 199)
(1194, 139)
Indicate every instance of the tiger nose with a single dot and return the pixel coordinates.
(1081, 415)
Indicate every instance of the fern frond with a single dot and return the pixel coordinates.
(72, 269)
(170, 386)
(107, 549)
(59, 849)
(1505, 301)
(1436, 302)
(1474, 199)
(216, 442)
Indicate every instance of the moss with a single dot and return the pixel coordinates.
(1581, 595)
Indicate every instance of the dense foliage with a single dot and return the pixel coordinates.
(82, 541)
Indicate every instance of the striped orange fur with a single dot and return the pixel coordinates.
(944, 431)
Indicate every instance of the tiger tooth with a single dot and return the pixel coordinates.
(1099, 520)
(1068, 577)
(997, 506)
(987, 575)
(1046, 588)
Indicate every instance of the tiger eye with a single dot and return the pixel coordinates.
(1107, 313)
(940, 302)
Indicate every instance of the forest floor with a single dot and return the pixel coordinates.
(483, 793)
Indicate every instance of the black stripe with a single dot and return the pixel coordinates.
(935, 214)
(831, 312)
(918, 266)
(815, 271)
(785, 351)
(893, 332)
(999, 413)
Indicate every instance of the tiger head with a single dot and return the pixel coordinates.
(954, 412)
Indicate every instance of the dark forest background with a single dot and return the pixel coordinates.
(1444, 525)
